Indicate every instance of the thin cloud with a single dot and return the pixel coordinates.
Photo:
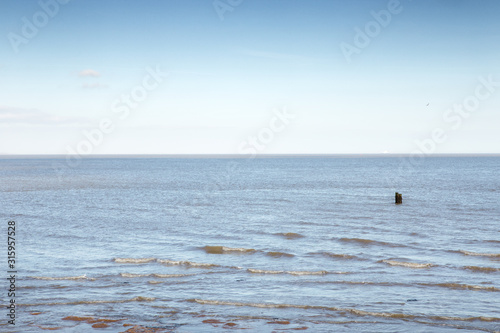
(22, 116)
(89, 73)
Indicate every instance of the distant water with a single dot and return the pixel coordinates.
(275, 244)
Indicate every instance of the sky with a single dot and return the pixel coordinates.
(249, 77)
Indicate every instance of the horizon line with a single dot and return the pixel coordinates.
(243, 156)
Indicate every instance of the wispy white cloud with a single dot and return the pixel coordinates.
(22, 116)
(89, 73)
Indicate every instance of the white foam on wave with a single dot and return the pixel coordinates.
(406, 264)
(155, 282)
(161, 276)
(134, 260)
(165, 276)
(263, 271)
(185, 263)
(236, 249)
(217, 249)
(131, 275)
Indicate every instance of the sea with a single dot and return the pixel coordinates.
(274, 244)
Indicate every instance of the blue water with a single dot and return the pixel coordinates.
(269, 244)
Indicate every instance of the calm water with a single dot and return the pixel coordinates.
(191, 245)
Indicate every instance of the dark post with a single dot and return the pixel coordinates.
(399, 198)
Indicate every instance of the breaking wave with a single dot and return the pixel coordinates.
(131, 275)
(186, 263)
(224, 249)
(155, 282)
(262, 271)
(406, 264)
(161, 276)
(134, 261)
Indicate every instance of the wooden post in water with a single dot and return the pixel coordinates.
(399, 198)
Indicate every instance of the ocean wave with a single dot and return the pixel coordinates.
(363, 241)
(166, 276)
(296, 306)
(155, 282)
(133, 260)
(135, 299)
(49, 328)
(279, 254)
(262, 271)
(460, 286)
(290, 235)
(91, 320)
(131, 275)
(81, 277)
(487, 319)
(310, 223)
(336, 255)
(406, 264)
(342, 310)
(470, 253)
(307, 272)
(363, 283)
(223, 249)
(186, 263)
(482, 269)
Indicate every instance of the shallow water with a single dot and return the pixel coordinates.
(315, 244)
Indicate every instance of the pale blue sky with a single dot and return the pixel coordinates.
(227, 78)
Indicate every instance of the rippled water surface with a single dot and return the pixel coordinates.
(272, 244)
